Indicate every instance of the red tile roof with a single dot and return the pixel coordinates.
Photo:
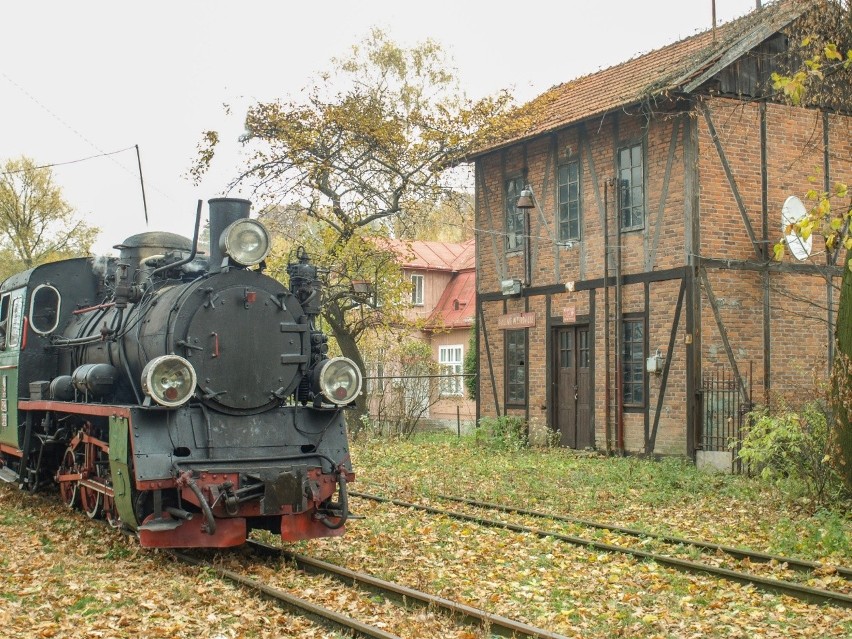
(457, 306)
(435, 256)
(677, 68)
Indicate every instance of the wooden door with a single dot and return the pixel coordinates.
(573, 387)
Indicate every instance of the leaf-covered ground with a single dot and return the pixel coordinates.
(62, 576)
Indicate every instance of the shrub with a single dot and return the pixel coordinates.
(792, 449)
(503, 433)
(471, 381)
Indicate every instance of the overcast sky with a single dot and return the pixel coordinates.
(83, 78)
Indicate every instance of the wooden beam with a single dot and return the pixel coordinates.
(731, 181)
(723, 333)
(484, 329)
(498, 261)
(652, 441)
(588, 285)
(658, 223)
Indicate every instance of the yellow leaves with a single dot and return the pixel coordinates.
(831, 53)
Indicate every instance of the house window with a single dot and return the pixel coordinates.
(516, 369)
(450, 359)
(568, 177)
(631, 182)
(375, 382)
(633, 362)
(514, 216)
(417, 290)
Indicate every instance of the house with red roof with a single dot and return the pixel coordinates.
(628, 296)
(442, 276)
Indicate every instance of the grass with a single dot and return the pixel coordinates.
(669, 496)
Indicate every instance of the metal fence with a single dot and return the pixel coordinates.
(724, 410)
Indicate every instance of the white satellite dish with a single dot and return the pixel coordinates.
(793, 211)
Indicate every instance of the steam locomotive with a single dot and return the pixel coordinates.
(188, 398)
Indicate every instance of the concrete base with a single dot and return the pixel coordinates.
(715, 461)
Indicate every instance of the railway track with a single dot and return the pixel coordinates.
(800, 565)
(790, 588)
(490, 623)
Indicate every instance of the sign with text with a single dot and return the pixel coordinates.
(516, 320)
(569, 314)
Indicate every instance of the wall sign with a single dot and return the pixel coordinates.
(569, 314)
(516, 320)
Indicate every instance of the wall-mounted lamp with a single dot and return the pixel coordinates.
(510, 287)
(654, 364)
(525, 199)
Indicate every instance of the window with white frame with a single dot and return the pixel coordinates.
(568, 204)
(450, 360)
(417, 290)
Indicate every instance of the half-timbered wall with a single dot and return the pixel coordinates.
(696, 274)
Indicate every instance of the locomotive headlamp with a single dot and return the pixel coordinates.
(245, 241)
(169, 380)
(338, 379)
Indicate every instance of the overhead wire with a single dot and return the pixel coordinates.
(101, 152)
(52, 164)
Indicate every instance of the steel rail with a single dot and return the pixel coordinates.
(798, 591)
(803, 565)
(496, 624)
(319, 614)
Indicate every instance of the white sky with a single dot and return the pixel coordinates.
(82, 78)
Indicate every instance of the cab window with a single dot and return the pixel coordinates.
(14, 322)
(4, 316)
(44, 309)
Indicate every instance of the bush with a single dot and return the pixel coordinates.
(502, 433)
(792, 449)
(471, 381)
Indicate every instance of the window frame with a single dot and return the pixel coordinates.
(627, 380)
(568, 238)
(417, 300)
(451, 386)
(635, 210)
(513, 217)
(520, 338)
(39, 306)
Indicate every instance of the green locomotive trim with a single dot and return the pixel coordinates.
(122, 481)
(11, 320)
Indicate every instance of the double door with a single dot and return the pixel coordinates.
(573, 386)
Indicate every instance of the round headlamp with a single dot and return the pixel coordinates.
(245, 241)
(169, 380)
(338, 379)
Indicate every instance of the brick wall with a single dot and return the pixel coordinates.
(678, 147)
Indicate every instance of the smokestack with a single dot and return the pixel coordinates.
(223, 212)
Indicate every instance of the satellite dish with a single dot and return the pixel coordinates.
(793, 211)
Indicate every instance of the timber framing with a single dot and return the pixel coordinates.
(673, 283)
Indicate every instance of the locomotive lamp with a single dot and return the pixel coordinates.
(338, 380)
(169, 380)
(246, 242)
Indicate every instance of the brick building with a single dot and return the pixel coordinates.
(636, 305)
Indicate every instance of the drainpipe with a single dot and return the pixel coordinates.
(619, 334)
(607, 397)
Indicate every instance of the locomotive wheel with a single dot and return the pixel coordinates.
(68, 489)
(90, 501)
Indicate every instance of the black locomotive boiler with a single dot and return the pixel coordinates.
(188, 398)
